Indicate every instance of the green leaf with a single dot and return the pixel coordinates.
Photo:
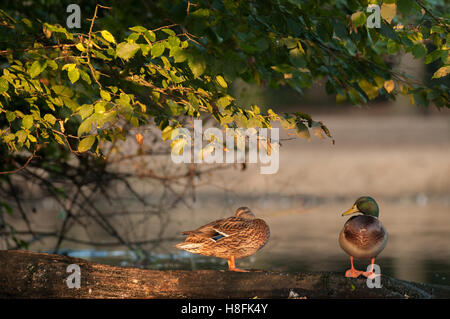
(21, 136)
(358, 18)
(179, 55)
(85, 111)
(166, 134)
(86, 78)
(27, 121)
(387, 31)
(174, 41)
(10, 116)
(157, 50)
(50, 118)
(69, 66)
(168, 31)
(224, 101)
(368, 88)
(105, 95)
(3, 85)
(100, 108)
(138, 29)
(36, 68)
(108, 36)
(86, 143)
(419, 50)
(32, 138)
(197, 66)
(150, 35)
(85, 126)
(74, 75)
(221, 81)
(436, 54)
(127, 50)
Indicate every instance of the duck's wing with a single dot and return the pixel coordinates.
(219, 229)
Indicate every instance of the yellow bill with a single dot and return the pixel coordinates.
(352, 210)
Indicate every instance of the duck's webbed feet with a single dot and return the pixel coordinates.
(232, 265)
(352, 272)
(370, 273)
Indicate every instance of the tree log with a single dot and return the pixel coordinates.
(26, 274)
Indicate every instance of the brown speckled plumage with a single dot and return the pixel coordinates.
(240, 236)
(363, 237)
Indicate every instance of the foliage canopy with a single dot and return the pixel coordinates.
(75, 90)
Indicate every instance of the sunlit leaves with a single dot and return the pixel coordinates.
(50, 118)
(187, 70)
(127, 50)
(85, 126)
(73, 75)
(36, 68)
(138, 29)
(157, 50)
(221, 81)
(27, 121)
(86, 143)
(358, 18)
(108, 36)
(443, 71)
(3, 85)
(105, 95)
(388, 11)
(80, 47)
(197, 64)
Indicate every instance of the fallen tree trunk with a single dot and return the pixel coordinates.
(35, 275)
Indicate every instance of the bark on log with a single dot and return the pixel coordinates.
(35, 275)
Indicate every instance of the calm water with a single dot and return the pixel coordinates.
(306, 240)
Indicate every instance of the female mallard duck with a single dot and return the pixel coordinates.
(363, 236)
(231, 238)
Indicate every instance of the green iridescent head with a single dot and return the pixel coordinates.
(365, 205)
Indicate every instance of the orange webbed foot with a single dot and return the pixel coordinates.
(353, 273)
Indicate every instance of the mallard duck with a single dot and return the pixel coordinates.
(231, 238)
(363, 236)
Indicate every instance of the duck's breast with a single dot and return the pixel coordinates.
(363, 237)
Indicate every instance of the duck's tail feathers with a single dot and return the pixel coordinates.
(189, 246)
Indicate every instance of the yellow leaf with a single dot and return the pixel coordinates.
(368, 88)
(86, 143)
(221, 81)
(388, 11)
(80, 47)
(108, 36)
(443, 71)
(389, 86)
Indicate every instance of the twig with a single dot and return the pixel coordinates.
(20, 168)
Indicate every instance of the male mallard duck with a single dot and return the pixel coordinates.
(363, 236)
(231, 238)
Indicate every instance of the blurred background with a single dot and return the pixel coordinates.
(396, 152)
